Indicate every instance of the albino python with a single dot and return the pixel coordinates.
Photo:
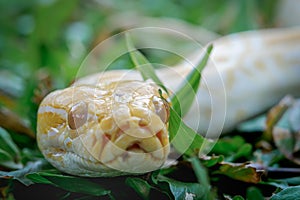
(114, 123)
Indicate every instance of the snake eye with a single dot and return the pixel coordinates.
(162, 108)
(77, 115)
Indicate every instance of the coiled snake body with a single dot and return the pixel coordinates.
(114, 123)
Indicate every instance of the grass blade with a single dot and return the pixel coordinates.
(202, 176)
(69, 183)
(184, 97)
(184, 139)
(142, 64)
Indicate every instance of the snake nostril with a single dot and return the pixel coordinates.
(77, 115)
(142, 122)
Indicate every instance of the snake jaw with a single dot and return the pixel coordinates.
(134, 155)
(104, 133)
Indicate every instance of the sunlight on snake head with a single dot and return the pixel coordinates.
(113, 128)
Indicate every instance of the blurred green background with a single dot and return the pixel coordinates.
(44, 42)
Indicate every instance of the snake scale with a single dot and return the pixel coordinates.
(114, 123)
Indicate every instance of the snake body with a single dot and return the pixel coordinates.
(115, 123)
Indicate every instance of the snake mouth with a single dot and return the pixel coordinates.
(137, 157)
(127, 153)
(136, 147)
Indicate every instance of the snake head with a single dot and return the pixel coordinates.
(105, 130)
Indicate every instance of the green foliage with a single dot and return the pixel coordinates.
(141, 186)
(237, 198)
(254, 194)
(183, 190)
(185, 95)
(69, 183)
(9, 152)
(282, 125)
(182, 137)
(202, 177)
(242, 172)
(142, 64)
(44, 42)
(288, 193)
(20, 174)
(232, 148)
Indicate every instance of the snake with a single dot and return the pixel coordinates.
(113, 123)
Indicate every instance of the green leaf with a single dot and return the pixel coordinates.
(202, 176)
(209, 161)
(232, 148)
(184, 190)
(184, 97)
(275, 114)
(141, 186)
(284, 141)
(8, 161)
(37, 178)
(288, 193)
(20, 174)
(4, 156)
(256, 124)
(244, 151)
(294, 117)
(243, 172)
(294, 122)
(276, 183)
(283, 183)
(254, 194)
(184, 139)
(142, 64)
(238, 197)
(9, 152)
(292, 180)
(227, 145)
(69, 183)
(267, 158)
(283, 127)
(7, 144)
